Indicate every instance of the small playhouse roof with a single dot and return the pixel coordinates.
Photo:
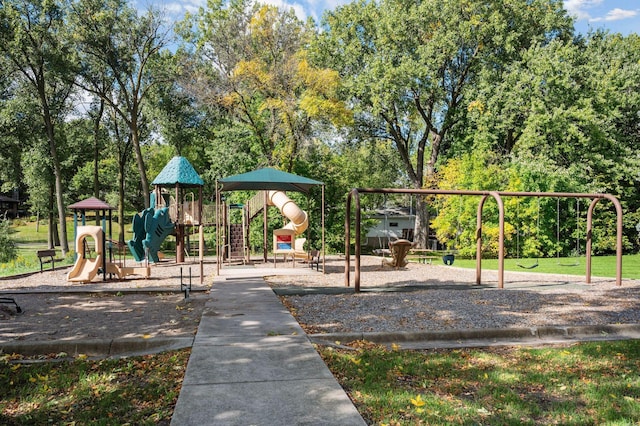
(178, 171)
(267, 178)
(91, 204)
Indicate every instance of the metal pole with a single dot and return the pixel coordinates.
(589, 239)
(357, 244)
(217, 229)
(265, 230)
(323, 234)
(479, 240)
(347, 239)
(200, 235)
(498, 199)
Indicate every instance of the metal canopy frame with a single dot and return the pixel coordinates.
(354, 194)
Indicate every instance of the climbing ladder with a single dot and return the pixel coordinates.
(236, 244)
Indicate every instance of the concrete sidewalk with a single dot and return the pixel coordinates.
(252, 364)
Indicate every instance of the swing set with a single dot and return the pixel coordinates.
(354, 198)
(576, 251)
(520, 265)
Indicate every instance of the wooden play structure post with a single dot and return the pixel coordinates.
(180, 174)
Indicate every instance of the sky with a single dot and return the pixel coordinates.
(618, 16)
(621, 16)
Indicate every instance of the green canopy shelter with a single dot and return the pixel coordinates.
(267, 179)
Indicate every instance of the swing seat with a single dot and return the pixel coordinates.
(535, 265)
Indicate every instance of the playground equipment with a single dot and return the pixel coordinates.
(262, 180)
(537, 236)
(180, 175)
(283, 238)
(150, 228)
(399, 250)
(576, 253)
(85, 269)
(497, 195)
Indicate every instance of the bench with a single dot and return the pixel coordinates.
(425, 255)
(51, 254)
(420, 258)
(314, 259)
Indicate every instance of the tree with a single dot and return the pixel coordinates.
(8, 250)
(32, 39)
(408, 65)
(120, 51)
(250, 61)
(572, 106)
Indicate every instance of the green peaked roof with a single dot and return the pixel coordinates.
(178, 171)
(267, 178)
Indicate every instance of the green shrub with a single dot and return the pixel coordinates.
(8, 251)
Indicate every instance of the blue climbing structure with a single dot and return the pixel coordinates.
(150, 228)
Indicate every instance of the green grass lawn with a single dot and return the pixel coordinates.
(584, 384)
(601, 266)
(137, 390)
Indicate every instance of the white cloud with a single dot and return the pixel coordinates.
(578, 8)
(298, 9)
(616, 15)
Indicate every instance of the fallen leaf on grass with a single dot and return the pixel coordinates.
(417, 401)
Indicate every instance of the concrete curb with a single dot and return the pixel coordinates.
(127, 346)
(487, 337)
(132, 346)
(140, 290)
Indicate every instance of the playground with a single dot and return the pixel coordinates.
(135, 291)
(415, 298)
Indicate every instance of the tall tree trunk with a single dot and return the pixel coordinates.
(52, 219)
(57, 171)
(55, 236)
(121, 230)
(421, 231)
(144, 182)
(423, 216)
(96, 153)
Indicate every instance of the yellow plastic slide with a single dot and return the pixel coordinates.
(84, 270)
(299, 220)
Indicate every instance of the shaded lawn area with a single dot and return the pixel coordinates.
(582, 384)
(136, 390)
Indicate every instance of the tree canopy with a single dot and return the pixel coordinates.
(95, 96)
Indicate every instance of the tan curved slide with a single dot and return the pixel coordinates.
(84, 270)
(299, 220)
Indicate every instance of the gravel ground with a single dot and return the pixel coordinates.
(55, 309)
(416, 298)
(437, 297)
